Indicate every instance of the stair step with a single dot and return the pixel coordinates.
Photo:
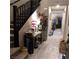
(13, 51)
(11, 35)
(22, 55)
(11, 28)
(11, 25)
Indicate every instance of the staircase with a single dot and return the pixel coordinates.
(20, 16)
(11, 35)
(16, 53)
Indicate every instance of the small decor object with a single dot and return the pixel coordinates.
(62, 48)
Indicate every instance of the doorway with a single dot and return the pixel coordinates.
(58, 22)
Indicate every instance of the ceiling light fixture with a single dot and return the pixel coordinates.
(57, 6)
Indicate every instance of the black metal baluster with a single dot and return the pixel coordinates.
(16, 40)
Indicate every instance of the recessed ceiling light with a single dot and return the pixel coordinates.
(57, 6)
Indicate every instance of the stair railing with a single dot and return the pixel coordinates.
(21, 15)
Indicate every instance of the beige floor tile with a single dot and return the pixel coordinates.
(48, 49)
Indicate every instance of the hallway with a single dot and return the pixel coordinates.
(48, 49)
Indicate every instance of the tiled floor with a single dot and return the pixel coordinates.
(49, 49)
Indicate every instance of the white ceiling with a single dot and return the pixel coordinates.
(54, 2)
(47, 3)
(61, 2)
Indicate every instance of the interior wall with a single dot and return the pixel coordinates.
(11, 1)
(63, 21)
(27, 26)
(66, 27)
(23, 30)
(43, 4)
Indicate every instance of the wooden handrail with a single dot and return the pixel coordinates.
(14, 2)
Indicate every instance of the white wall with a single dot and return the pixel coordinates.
(66, 27)
(43, 4)
(11, 1)
(23, 30)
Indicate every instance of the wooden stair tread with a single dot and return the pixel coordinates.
(22, 55)
(14, 50)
